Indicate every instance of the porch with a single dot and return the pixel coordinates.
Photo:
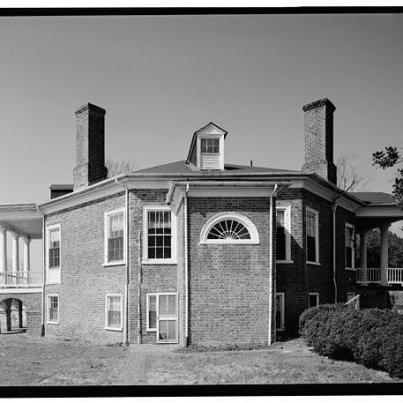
(19, 224)
(380, 213)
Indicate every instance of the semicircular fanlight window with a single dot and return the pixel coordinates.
(229, 229)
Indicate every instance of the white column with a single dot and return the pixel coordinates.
(3, 249)
(363, 247)
(384, 252)
(384, 246)
(14, 252)
(26, 261)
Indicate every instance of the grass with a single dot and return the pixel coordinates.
(46, 361)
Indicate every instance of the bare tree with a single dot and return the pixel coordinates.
(119, 167)
(348, 178)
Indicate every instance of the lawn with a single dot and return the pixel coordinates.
(46, 361)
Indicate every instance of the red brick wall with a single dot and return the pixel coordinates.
(228, 284)
(84, 279)
(298, 279)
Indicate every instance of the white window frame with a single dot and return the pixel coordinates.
(48, 321)
(149, 295)
(282, 311)
(287, 226)
(316, 213)
(166, 317)
(221, 151)
(316, 294)
(348, 225)
(48, 229)
(173, 259)
(107, 214)
(107, 327)
(254, 233)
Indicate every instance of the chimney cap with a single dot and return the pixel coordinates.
(318, 104)
(92, 107)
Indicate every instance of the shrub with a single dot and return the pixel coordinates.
(310, 313)
(372, 337)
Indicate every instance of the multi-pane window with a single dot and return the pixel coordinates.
(159, 234)
(53, 309)
(162, 316)
(313, 299)
(210, 146)
(312, 241)
(114, 236)
(228, 229)
(54, 247)
(152, 312)
(349, 247)
(280, 237)
(113, 312)
(280, 311)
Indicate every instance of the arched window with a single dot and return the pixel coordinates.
(230, 228)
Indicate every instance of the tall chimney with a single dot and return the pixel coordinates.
(90, 146)
(319, 139)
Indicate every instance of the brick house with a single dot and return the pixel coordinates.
(198, 251)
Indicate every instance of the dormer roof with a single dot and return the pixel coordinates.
(211, 129)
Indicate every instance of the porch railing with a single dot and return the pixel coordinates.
(379, 275)
(20, 279)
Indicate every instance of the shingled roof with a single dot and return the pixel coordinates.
(181, 168)
(374, 197)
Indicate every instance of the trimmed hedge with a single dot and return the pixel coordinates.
(372, 337)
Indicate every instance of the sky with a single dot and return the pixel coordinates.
(160, 78)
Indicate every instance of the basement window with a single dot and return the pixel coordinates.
(313, 299)
(53, 309)
(115, 235)
(113, 312)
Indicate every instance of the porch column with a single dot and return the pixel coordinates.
(14, 252)
(384, 252)
(3, 249)
(26, 261)
(3, 255)
(363, 248)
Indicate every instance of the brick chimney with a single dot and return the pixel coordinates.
(90, 146)
(319, 139)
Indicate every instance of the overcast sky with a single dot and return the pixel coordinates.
(161, 78)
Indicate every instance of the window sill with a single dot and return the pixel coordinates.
(159, 262)
(151, 330)
(114, 329)
(53, 283)
(281, 329)
(313, 263)
(111, 264)
(53, 268)
(52, 323)
(349, 268)
(231, 242)
(285, 261)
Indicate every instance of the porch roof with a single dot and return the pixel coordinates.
(25, 219)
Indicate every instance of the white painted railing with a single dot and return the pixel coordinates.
(20, 279)
(379, 276)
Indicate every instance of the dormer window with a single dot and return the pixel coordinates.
(210, 146)
(207, 148)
